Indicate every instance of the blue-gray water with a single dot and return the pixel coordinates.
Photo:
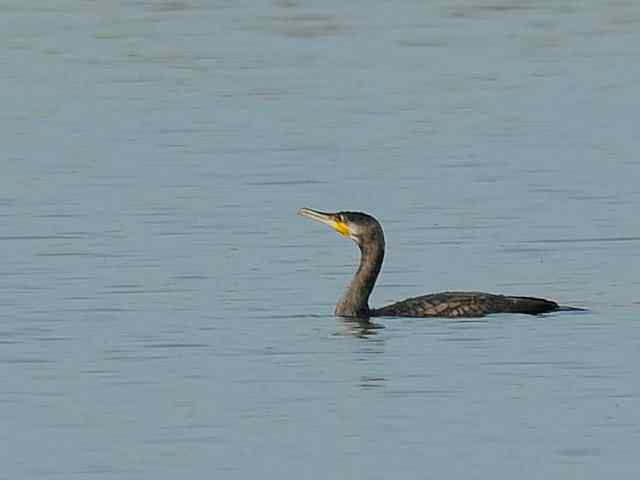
(164, 312)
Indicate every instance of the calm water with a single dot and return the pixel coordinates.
(165, 313)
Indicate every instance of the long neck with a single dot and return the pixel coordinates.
(355, 301)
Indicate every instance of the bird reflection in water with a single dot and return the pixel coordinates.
(358, 327)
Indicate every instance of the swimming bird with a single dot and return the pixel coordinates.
(367, 233)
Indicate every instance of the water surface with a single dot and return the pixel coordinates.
(165, 312)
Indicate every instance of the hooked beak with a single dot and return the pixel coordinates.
(330, 219)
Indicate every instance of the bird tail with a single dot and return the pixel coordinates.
(540, 305)
(566, 308)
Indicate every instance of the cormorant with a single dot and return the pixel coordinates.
(367, 233)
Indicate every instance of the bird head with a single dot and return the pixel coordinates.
(357, 226)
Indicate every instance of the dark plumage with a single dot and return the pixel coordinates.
(464, 304)
(367, 233)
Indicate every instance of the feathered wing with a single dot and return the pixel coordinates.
(464, 305)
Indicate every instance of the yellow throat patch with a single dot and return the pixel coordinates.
(341, 228)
